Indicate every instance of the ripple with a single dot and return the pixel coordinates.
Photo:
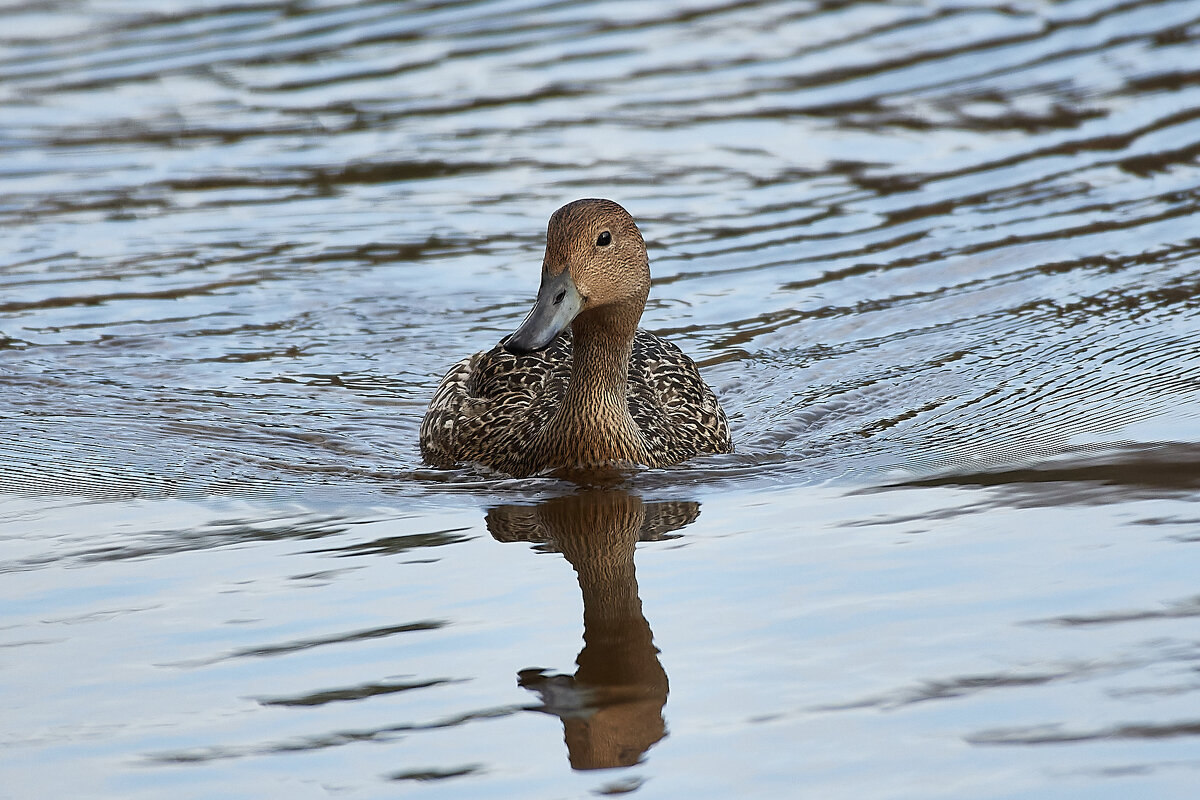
(940, 256)
(286, 648)
(322, 741)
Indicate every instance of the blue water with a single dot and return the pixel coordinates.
(938, 261)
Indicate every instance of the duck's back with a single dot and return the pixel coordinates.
(491, 407)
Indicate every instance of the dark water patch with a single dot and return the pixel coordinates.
(394, 545)
(323, 742)
(435, 773)
(286, 648)
(621, 786)
(167, 294)
(325, 179)
(1091, 475)
(1179, 609)
(159, 543)
(1055, 734)
(352, 693)
(967, 686)
(1131, 770)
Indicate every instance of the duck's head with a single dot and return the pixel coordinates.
(595, 262)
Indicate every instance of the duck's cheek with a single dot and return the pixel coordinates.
(585, 293)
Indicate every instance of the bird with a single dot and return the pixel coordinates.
(578, 385)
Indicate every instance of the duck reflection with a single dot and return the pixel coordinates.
(611, 708)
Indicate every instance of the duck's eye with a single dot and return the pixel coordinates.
(604, 239)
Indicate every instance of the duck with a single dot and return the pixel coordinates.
(578, 385)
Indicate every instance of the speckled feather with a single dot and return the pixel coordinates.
(601, 393)
(493, 407)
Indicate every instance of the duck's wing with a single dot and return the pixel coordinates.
(490, 407)
(441, 426)
(678, 414)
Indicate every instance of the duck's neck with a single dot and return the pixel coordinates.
(593, 425)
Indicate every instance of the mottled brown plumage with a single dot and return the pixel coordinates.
(602, 393)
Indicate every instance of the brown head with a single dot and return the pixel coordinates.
(595, 267)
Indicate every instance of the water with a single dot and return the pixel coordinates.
(938, 260)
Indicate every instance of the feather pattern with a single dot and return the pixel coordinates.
(490, 408)
(578, 385)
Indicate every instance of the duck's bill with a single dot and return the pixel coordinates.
(558, 302)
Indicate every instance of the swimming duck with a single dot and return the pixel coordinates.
(578, 384)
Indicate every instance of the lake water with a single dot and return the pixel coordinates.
(940, 261)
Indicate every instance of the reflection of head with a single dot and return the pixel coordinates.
(612, 707)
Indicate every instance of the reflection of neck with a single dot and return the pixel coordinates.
(618, 666)
(593, 425)
(618, 643)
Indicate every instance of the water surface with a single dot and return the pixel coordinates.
(939, 261)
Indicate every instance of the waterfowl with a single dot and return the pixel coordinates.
(578, 384)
